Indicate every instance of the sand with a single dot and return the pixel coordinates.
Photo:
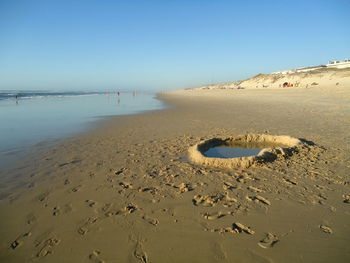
(126, 192)
(325, 78)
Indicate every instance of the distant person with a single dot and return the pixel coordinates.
(118, 93)
(16, 99)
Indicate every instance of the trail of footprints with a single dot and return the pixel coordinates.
(109, 210)
(46, 247)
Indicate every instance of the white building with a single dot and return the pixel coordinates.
(339, 63)
(306, 69)
(283, 72)
(332, 64)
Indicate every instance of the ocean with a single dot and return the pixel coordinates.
(31, 117)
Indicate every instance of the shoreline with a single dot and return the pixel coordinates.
(37, 120)
(125, 185)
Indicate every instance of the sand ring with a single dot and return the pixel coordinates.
(288, 143)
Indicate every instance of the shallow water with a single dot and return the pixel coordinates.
(230, 152)
(40, 118)
(239, 149)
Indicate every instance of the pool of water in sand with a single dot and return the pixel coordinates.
(239, 149)
(230, 152)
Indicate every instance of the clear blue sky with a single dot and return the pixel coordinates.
(163, 44)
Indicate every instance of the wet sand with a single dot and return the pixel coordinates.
(125, 192)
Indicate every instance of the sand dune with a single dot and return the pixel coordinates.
(326, 77)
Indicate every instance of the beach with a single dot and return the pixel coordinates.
(127, 192)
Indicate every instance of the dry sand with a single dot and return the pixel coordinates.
(126, 193)
(325, 78)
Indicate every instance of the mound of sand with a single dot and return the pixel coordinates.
(321, 77)
(278, 145)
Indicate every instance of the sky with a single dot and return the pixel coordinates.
(163, 45)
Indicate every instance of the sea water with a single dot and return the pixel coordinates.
(35, 117)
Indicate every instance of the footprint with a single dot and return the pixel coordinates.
(236, 228)
(106, 209)
(56, 211)
(346, 199)
(71, 162)
(31, 185)
(268, 241)
(76, 189)
(242, 178)
(183, 187)
(121, 171)
(62, 165)
(326, 229)
(90, 203)
(152, 190)
(30, 219)
(213, 216)
(66, 181)
(207, 200)
(258, 199)
(129, 209)
(229, 200)
(254, 189)
(223, 230)
(43, 197)
(152, 174)
(150, 220)
(84, 228)
(19, 240)
(289, 181)
(125, 185)
(239, 228)
(139, 253)
(95, 257)
(47, 247)
(229, 186)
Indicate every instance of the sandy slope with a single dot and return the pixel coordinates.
(326, 77)
(125, 193)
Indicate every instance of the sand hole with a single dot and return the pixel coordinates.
(241, 151)
(236, 149)
(224, 151)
